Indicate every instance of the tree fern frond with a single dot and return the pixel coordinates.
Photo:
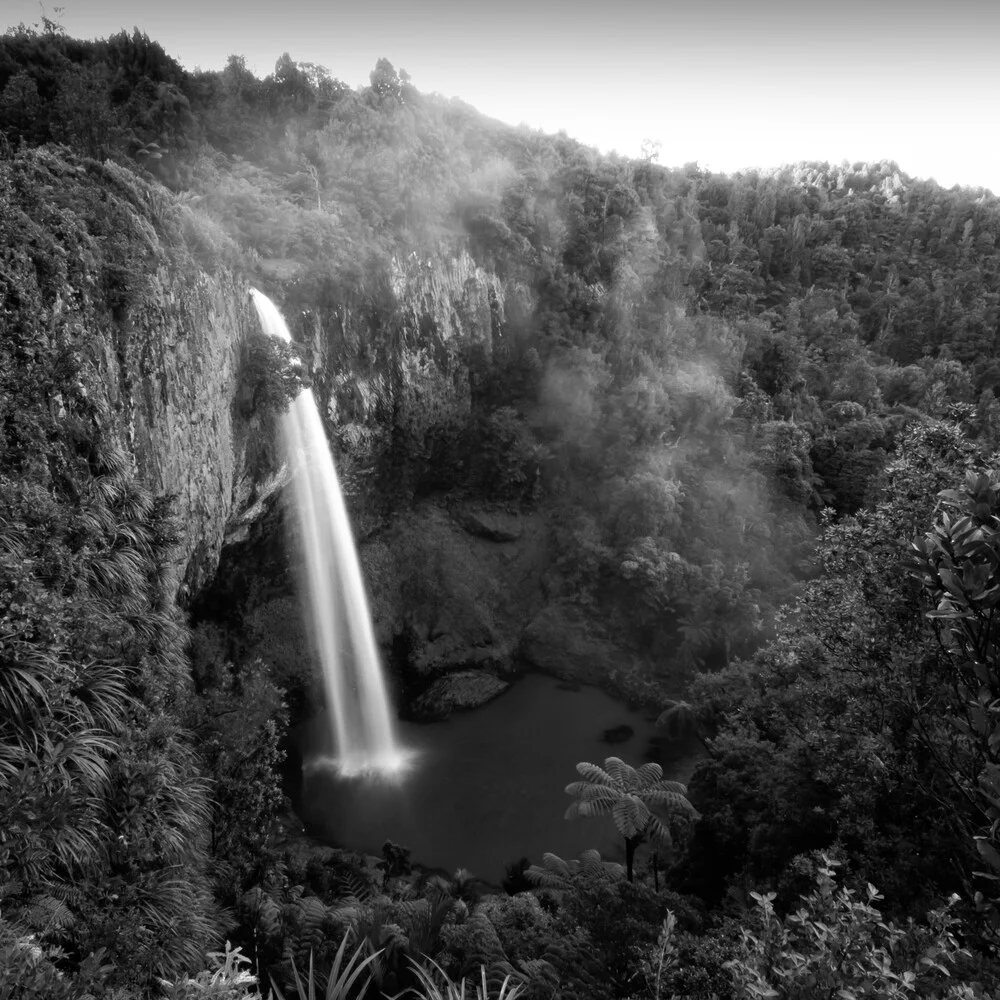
(630, 815)
(622, 774)
(594, 774)
(592, 867)
(628, 798)
(553, 873)
(540, 973)
(588, 809)
(649, 774)
(678, 719)
(556, 864)
(591, 793)
(659, 831)
(669, 797)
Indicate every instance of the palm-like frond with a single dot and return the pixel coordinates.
(658, 831)
(555, 873)
(594, 775)
(631, 815)
(627, 793)
(673, 797)
(596, 794)
(679, 720)
(592, 867)
(622, 774)
(648, 775)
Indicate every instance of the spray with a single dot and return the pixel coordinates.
(336, 605)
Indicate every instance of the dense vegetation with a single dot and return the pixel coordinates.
(740, 399)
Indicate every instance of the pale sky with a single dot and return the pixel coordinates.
(730, 83)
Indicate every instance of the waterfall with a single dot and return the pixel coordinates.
(333, 591)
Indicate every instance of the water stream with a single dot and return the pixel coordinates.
(362, 728)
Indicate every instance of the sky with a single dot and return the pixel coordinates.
(728, 83)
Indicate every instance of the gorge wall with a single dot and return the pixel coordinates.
(455, 533)
(143, 307)
(129, 295)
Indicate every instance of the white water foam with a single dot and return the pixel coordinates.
(337, 612)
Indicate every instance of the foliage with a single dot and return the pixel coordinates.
(838, 944)
(238, 719)
(621, 920)
(103, 804)
(554, 873)
(228, 979)
(273, 373)
(839, 730)
(685, 368)
(630, 795)
(441, 987)
(957, 563)
(344, 980)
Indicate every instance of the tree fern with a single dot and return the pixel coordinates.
(555, 873)
(681, 723)
(626, 793)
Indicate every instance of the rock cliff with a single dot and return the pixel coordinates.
(148, 300)
(133, 291)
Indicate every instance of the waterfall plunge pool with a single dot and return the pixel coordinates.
(486, 787)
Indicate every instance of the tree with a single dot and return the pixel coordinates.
(958, 564)
(628, 793)
(845, 719)
(386, 83)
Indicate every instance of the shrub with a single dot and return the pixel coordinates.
(838, 945)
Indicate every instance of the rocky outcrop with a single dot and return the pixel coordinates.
(137, 295)
(559, 641)
(171, 373)
(494, 526)
(456, 692)
(464, 301)
(460, 600)
(187, 439)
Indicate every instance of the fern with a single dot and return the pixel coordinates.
(627, 793)
(353, 885)
(555, 873)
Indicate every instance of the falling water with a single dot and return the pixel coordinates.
(337, 608)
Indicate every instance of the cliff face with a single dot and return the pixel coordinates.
(127, 294)
(458, 568)
(124, 291)
(174, 386)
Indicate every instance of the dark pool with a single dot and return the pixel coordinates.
(488, 786)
